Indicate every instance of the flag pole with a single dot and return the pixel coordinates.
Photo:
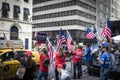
(70, 55)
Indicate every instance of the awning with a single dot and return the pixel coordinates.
(116, 37)
(16, 9)
(26, 11)
(6, 6)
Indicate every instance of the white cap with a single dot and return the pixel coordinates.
(81, 44)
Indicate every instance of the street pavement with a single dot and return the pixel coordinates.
(69, 68)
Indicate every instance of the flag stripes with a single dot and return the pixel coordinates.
(90, 34)
(106, 30)
(61, 39)
(51, 52)
(69, 41)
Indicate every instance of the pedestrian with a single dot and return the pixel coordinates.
(60, 60)
(77, 62)
(88, 57)
(105, 63)
(30, 67)
(113, 46)
(44, 65)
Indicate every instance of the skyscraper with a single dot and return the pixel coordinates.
(73, 15)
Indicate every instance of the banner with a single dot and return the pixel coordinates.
(41, 38)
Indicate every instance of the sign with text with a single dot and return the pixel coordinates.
(41, 37)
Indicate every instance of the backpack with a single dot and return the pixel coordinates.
(46, 62)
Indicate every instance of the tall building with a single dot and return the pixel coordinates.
(73, 15)
(115, 10)
(103, 11)
(115, 17)
(15, 20)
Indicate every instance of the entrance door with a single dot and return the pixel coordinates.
(26, 43)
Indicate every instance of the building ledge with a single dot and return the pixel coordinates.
(13, 20)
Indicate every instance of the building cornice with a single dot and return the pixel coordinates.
(70, 27)
(13, 20)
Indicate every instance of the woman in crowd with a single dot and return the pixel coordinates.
(60, 60)
(30, 67)
(77, 60)
(44, 65)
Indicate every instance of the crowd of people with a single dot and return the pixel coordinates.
(79, 55)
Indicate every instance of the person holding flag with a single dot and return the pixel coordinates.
(44, 65)
(60, 60)
(59, 55)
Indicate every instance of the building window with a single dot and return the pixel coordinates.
(5, 9)
(26, 14)
(101, 16)
(26, 1)
(16, 12)
(14, 33)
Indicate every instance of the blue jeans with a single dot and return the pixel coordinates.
(42, 74)
(104, 74)
(77, 66)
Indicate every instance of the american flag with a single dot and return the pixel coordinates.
(61, 39)
(106, 30)
(90, 34)
(5, 37)
(51, 52)
(69, 41)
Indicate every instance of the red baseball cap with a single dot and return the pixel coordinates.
(28, 53)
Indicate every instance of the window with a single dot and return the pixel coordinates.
(14, 33)
(20, 55)
(8, 56)
(101, 15)
(16, 12)
(101, 7)
(26, 1)
(53, 6)
(107, 10)
(5, 9)
(26, 13)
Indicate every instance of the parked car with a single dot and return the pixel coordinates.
(10, 64)
(114, 66)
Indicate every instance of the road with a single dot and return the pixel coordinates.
(69, 68)
(85, 75)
